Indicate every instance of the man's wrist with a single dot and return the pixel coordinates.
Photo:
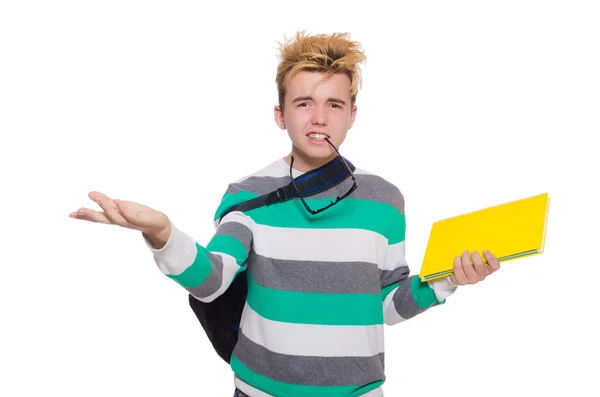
(159, 238)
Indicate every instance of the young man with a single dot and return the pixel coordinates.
(321, 282)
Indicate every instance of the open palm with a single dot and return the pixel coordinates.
(126, 214)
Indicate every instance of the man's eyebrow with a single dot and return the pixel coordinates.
(309, 98)
(337, 100)
(302, 98)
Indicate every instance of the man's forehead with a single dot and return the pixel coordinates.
(315, 84)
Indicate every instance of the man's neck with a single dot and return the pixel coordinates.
(304, 164)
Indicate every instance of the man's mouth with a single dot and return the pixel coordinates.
(317, 137)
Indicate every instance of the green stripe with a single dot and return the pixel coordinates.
(423, 294)
(349, 213)
(315, 307)
(229, 200)
(385, 291)
(277, 388)
(199, 270)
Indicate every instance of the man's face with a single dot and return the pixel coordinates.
(321, 109)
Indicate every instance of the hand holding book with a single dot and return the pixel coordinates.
(466, 272)
(511, 230)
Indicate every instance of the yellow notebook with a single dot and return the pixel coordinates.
(509, 231)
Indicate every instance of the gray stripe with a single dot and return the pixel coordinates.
(405, 304)
(213, 281)
(378, 189)
(238, 231)
(389, 277)
(313, 276)
(370, 187)
(215, 277)
(309, 370)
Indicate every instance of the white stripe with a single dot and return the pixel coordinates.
(177, 255)
(280, 168)
(374, 393)
(443, 287)
(311, 339)
(230, 268)
(233, 216)
(247, 389)
(333, 245)
(360, 171)
(237, 216)
(395, 256)
(276, 169)
(254, 392)
(390, 314)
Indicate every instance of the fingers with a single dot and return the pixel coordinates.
(466, 272)
(127, 214)
(478, 266)
(110, 209)
(87, 214)
(470, 273)
(493, 263)
(110, 215)
(459, 277)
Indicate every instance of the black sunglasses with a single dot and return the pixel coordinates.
(338, 199)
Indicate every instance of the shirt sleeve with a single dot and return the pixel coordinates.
(405, 295)
(207, 271)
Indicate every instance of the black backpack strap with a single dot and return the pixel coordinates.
(309, 184)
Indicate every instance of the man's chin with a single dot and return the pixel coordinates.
(313, 158)
(322, 154)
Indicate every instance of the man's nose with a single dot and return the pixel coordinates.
(319, 116)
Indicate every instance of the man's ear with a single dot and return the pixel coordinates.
(279, 120)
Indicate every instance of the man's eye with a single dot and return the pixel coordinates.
(303, 104)
(335, 105)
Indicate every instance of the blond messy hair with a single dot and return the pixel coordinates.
(327, 54)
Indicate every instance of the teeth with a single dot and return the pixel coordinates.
(317, 136)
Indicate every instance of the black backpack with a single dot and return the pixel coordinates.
(221, 317)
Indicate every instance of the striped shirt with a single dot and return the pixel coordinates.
(320, 287)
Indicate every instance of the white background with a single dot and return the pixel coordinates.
(465, 104)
